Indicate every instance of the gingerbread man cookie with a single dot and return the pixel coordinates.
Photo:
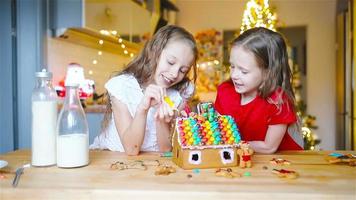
(334, 158)
(227, 173)
(165, 170)
(283, 173)
(279, 161)
(245, 153)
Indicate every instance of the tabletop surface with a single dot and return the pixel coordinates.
(317, 179)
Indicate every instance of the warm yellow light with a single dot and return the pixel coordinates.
(126, 52)
(101, 42)
(258, 14)
(104, 32)
(114, 32)
(95, 62)
(100, 53)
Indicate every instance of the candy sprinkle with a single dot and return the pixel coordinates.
(247, 174)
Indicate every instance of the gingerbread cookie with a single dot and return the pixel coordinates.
(349, 159)
(283, 173)
(227, 173)
(245, 153)
(165, 170)
(279, 161)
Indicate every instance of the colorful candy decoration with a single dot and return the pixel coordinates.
(207, 128)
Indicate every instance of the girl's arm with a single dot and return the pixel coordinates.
(274, 136)
(131, 130)
(163, 135)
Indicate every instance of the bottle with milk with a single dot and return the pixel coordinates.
(44, 120)
(72, 126)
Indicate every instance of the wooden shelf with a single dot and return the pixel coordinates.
(90, 38)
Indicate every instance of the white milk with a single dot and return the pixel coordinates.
(72, 150)
(44, 120)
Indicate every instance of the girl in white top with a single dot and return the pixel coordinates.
(138, 118)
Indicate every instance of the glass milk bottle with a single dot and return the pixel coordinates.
(44, 120)
(72, 127)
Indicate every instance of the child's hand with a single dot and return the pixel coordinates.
(153, 96)
(164, 113)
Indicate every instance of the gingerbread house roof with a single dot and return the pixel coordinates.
(208, 129)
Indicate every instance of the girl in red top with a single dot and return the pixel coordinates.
(259, 94)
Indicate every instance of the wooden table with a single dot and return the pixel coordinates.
(318, 180)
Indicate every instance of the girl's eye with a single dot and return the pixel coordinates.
(183, 71)
(170, 63)
(232, 67)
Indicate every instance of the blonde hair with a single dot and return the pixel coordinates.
(271, 54)
(143, 67)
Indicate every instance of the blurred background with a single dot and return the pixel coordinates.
(104, 35)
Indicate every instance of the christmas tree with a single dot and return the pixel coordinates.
(258, 14)
(307, 121)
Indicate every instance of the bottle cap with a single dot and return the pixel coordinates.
(75, 75)
(44, 74)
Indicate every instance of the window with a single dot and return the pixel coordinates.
(195, 157)
(227, 156)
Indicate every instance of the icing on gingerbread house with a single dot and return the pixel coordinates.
(205, 140)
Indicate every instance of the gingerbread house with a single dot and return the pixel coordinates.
(205, 140)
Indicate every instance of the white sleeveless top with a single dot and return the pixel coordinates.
(126, 89)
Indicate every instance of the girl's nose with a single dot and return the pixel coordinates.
(174, 72)
(234, 74)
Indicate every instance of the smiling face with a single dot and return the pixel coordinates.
(245, 72)
(174, 63)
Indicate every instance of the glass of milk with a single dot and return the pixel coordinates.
(44, 120)
(72, 126)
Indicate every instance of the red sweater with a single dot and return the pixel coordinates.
(254, 118)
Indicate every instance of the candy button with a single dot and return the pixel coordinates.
(247, 174)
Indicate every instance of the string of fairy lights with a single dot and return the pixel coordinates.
(112, 33)
(119, 40)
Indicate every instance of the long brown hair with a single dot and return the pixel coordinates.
(143, 67)
(270, 51)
